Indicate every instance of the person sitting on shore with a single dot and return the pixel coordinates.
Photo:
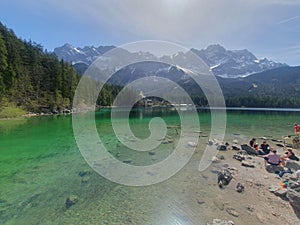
(264, 148)
(253, 143)
(272, 158)
(289, 155)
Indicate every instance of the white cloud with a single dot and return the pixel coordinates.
(288, 20)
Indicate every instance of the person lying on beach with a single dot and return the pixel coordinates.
(264, 148)
(272, 158)
(289, 155)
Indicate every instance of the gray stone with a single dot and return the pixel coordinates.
(240, 188)
(293, 165)
(221, 157)
(278, 192)
(222, 222)
(224, 177)
(200, 202)
(215, 159)
(248, 164)
(232, 212)
(192, 144)
(235, 147)
(273, 168)
(281, 192)
(294, 199)
(222, 147)
(238, 157)
(242, 152)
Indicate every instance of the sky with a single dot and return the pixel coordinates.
(267, 28)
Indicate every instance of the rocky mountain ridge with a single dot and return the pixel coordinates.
(222, 62)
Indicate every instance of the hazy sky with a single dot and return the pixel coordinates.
(268, 28)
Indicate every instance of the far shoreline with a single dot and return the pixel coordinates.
(31, 114)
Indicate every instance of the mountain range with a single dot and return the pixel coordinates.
(222, 62)
(37, 81)
(244, 79)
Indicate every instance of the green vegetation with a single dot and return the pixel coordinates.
(10, 110)
(34, 80)
(31, 78)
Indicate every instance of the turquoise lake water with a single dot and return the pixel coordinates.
(41, 166)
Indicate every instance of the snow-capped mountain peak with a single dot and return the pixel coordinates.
(222, 62)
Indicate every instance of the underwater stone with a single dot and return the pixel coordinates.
(84, 173)
(128, 161)
(71, 200)
(85, 180)
(192, 144)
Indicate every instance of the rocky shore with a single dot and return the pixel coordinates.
(253, 194)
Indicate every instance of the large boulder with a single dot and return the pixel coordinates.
(273, 168)
(224, 177)
(249, 150)
(294, 199)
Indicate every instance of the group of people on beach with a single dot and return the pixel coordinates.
(270, 154)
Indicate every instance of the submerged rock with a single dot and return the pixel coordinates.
(84, 173)
(192, 144)
(71, 200)
(127, 161)
(85, 180)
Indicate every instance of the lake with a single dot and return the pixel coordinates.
(41, 166)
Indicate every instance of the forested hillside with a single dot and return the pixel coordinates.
(36, 81)
(32, 79)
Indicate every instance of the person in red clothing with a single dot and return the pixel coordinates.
(297, 129)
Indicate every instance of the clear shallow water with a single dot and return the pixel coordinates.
(41, 166)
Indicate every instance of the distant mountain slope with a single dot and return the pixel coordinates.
(284, 81)
(222, 62)
(80, 55)
(279, 87)
(235, 63)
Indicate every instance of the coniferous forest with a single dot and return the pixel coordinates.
(33, 80)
